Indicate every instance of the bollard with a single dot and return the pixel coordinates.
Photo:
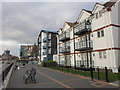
(98, 73)
(106, 74)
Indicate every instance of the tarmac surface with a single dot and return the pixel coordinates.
(48, 78)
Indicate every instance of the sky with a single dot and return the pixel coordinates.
(21, 22)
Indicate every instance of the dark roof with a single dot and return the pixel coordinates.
(53, 32)
(110, 3)
(72, 24)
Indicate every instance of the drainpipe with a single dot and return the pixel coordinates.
(46, 46)
(86, 47)
(59, 50)
(65, 51)
(90, 51)
(74, 49)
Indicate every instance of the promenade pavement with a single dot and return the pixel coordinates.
(47, 78)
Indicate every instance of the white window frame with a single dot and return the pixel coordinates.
(104, 54)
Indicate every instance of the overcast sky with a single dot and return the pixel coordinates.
(22, 21)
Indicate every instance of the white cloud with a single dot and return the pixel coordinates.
(11, 45)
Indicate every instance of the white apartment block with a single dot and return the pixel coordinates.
(47, 45)
(92, 40)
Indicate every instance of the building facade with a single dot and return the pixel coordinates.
(92, 40)
(26, 52)
(47, 45)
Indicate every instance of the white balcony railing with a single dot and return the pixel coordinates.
(82, 44)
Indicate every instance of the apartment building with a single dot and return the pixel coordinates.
(92, 40)
(47, 45)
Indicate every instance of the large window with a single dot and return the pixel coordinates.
(102, 55)
(98, 34)
(102, 33)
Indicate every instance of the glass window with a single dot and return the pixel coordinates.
(98, 34)
(104, 54)
(100, 54)
(102, 33)
(100, 13)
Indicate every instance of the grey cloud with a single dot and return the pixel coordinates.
(22, 22)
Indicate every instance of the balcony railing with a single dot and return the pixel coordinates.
(81, 46)
(64, 36)
(49, 37)
(83, 63)
(82, 28)
(49, 45)
(65, 50)
(44, 53)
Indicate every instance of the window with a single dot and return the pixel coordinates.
(98, 34)
(100, 13)
(102, 33)
(100, 54)
(91, 35)
(104, 54)
(96, 15)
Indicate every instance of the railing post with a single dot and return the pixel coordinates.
(3, 77)
(98, 73)
(119, 69)
(106, 74)
(91, 72)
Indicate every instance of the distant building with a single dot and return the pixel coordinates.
(7, 52)
(34, 52)
(28, 52)
(6, 55)
(25, 51)
(47, 45)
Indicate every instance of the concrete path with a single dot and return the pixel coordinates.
(47, 78)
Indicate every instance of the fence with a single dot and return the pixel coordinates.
(6, 71)
(99, 73)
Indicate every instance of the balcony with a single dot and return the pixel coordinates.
(49, 52)
(44, 53)
(45, 46)
(82, 28)
(64, 36)
(45, 39)
(65, 50)
(81, 46)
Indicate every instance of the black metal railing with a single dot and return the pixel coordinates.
(83, 28)
(64, 36)
(5, 71)
(81, 45)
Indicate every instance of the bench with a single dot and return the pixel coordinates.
(30, 74)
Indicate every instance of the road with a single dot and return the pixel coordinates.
(47, 78)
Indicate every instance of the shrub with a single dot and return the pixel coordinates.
(48, 63)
